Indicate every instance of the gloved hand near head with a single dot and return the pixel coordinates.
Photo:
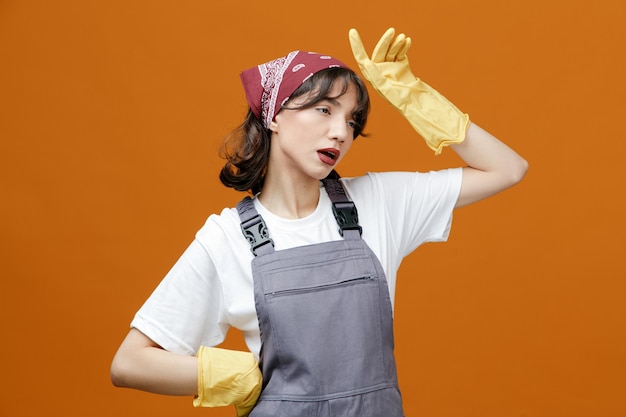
(227, 377)
(437, 120)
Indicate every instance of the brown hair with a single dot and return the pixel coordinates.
(246, 149)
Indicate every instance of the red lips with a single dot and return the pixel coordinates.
(329, 156)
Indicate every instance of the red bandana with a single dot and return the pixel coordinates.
(268, 86)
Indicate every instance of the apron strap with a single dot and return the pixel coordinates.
(344, 209)
(254, 228)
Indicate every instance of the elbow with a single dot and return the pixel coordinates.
(518, 171)
(116, 375)
(119, 373)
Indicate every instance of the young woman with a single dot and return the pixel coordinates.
(307, 267)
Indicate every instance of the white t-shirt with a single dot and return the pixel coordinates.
(210, 287)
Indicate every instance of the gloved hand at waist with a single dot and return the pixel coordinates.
(227, 377)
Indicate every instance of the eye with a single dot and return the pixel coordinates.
(352, 124)
(324, 110)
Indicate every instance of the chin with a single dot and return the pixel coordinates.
(325, 173)
(321, 172)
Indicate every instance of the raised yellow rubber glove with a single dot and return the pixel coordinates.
(227, 377)
(437, 120)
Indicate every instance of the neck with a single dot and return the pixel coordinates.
(288, 197)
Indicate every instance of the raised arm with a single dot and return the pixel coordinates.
(492, 166)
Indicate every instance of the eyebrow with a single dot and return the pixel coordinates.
(331, 100)
(335, 102)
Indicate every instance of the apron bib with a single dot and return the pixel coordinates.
(326, 323)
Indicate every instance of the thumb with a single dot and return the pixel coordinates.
(358, 50)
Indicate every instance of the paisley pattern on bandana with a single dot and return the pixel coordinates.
(271, 77)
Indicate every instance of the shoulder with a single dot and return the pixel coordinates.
(221, 236)
(406, 208)
(398, 184)
(225, 222)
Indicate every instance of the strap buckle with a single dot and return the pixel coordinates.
(347, 216)
(255, 230)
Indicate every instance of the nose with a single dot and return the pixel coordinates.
(340, 130)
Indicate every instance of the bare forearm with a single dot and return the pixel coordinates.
(492, 166)
(141, 364)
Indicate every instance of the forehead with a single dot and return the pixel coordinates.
(345, 96)
(341, 92)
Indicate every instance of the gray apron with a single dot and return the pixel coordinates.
(326, 322)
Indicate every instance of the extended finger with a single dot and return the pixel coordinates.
(395, 47)
(358, 50)
(403, 51)
(380, 51)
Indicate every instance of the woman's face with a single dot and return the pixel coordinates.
(310, 142)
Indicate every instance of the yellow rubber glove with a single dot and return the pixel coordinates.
(437, 120)
(227, 377)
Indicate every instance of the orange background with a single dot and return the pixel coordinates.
(110, 117)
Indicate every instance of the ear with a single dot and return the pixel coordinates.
(273, 126)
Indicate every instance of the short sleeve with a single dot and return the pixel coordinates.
(416, 206)
(185, 310)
